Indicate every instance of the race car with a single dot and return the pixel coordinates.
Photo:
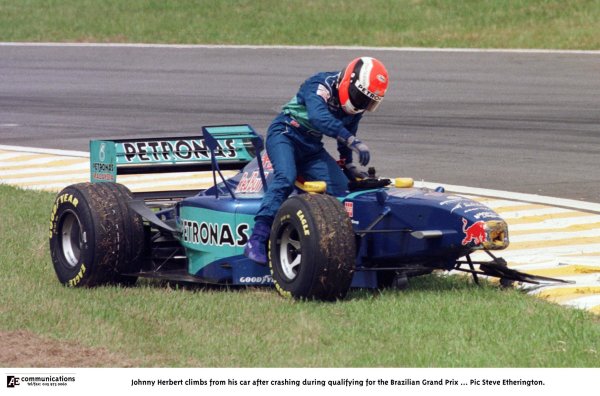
(380, 233)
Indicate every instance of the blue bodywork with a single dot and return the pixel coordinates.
(397, 229)
(390, 243)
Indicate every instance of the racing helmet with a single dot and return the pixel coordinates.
(362, 85)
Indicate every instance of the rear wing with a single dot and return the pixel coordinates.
(222, 147)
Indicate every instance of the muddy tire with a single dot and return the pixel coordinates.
(312, 248)
(94, 237)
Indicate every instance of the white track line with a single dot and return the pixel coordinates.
(559, 262)
(538, 255)
(534, 212)
(130, 178)
(42, 178)
(35, 150)
(35, 161)
(553, 236)
(302, 47)
(134, 185)
(64, 169)
(583, 281)
(588, 261)
(580, 280)
(586, 302)
(556, 223)
(7, 156)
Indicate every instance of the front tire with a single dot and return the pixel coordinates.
(312, 248)
(94, 237)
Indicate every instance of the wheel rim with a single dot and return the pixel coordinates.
(290, 252)
(72, 238)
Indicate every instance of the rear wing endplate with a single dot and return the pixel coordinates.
(222, 147)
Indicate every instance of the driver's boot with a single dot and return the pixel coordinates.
(256, 248)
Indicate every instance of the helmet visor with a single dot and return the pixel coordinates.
(362, 98)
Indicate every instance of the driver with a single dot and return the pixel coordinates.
(328, 103)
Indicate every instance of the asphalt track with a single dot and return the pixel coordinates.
(518, 121)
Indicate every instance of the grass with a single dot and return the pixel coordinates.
(573, 24)
(437, 322)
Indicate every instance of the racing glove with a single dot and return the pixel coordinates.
(360, 148)
(354, 173)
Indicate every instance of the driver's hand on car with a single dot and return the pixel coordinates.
(354, 173)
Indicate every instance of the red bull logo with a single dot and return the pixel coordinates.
(474, 233)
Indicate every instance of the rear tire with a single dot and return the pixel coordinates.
(94, 237)
(312, 248)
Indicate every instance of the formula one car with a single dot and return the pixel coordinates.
(379, 234)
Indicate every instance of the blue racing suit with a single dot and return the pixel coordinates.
(294, 142)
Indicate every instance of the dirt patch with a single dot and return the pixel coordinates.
(26, 349)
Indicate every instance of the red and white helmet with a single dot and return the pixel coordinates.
(362, 85)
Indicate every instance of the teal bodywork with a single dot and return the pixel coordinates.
(210, 235)
(232, 145)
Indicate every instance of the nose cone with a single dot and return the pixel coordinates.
(497, 235)
(490, 235)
